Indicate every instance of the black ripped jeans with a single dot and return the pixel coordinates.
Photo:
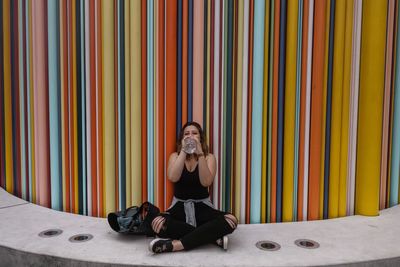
(211, 225)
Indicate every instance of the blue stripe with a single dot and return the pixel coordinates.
(54, 104)
(190, 62)
(150, 96)
(84, 121)
(179, 71)
(395, 160)
(21, 99)
(281, 98)
(229, 89)
(80, 111)
(329, 111)
(257, 110)
(297, 129)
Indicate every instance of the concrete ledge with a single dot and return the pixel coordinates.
(349, 241)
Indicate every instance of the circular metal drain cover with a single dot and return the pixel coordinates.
(268, 245)
(50, 233)
(80, 238)
(307, 243)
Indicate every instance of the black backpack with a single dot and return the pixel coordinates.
(134, 220)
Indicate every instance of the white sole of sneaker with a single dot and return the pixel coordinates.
(154, 241)
(225, 242)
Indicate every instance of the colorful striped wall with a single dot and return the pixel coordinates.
(300, 101)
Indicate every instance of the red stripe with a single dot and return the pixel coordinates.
(171, 64)
(100, 114)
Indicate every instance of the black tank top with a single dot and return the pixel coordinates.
(189, 186)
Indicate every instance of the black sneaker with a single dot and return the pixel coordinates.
(160, 245)
(222, 242)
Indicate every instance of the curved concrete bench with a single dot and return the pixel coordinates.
(355, 240)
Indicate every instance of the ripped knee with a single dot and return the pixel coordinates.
(157, 224)
(231, 220)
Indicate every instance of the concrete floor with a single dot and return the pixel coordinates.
(355, 240)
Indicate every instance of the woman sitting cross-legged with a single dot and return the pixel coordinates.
(191, 221)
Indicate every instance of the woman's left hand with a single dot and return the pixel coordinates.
(199, 149)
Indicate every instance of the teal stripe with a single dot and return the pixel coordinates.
(54, 105)
(150, 97)
(297, 129)
(395, 160)
(83, 103)
(270, 84)
(256, 134)
(28, 74)
(22, 99)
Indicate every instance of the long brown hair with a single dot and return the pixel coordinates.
(203, 139)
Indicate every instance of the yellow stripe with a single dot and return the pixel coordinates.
(107, 24)
(321, 185)
(239, 78)
(290, 104)
(336, 125)
(136, 113)
(128, 135)
(345, 109)
(265, 115)
(7, 98)
(370, 107)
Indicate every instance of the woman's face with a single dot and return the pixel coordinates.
(191, 132)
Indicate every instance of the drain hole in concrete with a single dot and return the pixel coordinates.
(306, 243)
(80, 238)
(50, 233)
(268, 245)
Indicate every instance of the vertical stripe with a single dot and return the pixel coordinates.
(54, 105)
(370, 107)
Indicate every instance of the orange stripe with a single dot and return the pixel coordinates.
(302, 111)
(7, 98)
(171, 64)
(316, 110)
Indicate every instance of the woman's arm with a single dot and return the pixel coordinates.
(207, 169)
(175, 166)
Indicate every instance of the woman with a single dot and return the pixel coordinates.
(191, 220)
